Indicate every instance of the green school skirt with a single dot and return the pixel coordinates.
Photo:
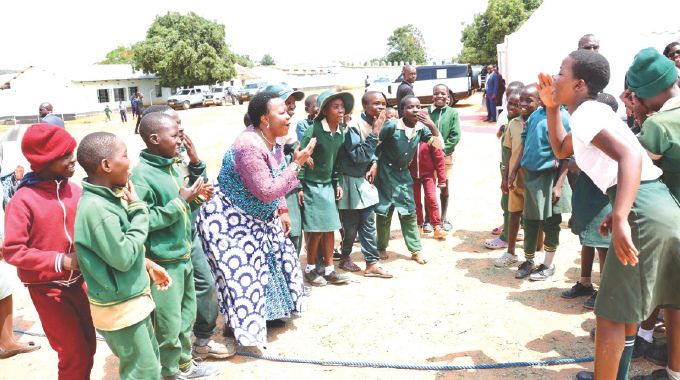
(589, 206)
(630, 293)
(294, 212)
(321, 213)
(538, 195)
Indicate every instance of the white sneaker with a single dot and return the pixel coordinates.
(198, 371)
(505, 260)
(496, 243)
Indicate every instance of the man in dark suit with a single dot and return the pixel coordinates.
(406, 86)
(491, 89)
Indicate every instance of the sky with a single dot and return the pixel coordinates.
(64, 33)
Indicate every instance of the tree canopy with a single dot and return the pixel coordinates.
(267, 60)
(406, 44)
(243, 60)
(502, 17)
(185, 50)
(120, 55)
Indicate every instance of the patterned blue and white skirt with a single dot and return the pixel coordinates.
(256, 269)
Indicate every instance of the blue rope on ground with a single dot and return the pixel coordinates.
(345, 363)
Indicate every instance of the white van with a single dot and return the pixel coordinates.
(458, 77)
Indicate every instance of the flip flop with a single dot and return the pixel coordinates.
(498, 230)
(4, 354)
(378, 272)
(419, 258)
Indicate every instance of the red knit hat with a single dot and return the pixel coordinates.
(43, 143)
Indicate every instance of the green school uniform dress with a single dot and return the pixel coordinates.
(448, 123)
(319, 184)
(589, 207)
(660, 135)
(395, 185)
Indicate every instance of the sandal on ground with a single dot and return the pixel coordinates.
(347, 265)
(498, 230)
(29, 347)
(419, 258)
(378, 272)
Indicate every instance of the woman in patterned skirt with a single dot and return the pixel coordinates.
(243, 228)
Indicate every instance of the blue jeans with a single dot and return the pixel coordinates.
(361, 222)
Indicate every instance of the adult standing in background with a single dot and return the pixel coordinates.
(589, 42)
(46, 115)
(123, 111)
(406, 86)
(140, 110)
(491, 89)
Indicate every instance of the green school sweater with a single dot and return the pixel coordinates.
(447, 121)
(325, 155)
(109, 239)
(157, 182)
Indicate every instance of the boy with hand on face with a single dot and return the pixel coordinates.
(111, 227)
(171, 198)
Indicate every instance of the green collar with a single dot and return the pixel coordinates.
(104, 192)
(157, 161)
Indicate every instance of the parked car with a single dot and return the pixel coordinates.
(219, 96)
(249, 90)
(458, 77)
(186, 98)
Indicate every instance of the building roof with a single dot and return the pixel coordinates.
(5, 79)
(96, 73)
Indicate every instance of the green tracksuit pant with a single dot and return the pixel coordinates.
(174, 317)
(409, 229)
(136, 348)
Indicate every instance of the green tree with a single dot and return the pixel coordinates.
(243, 60)
(267, 60)
(502, 17)
(119, 55)
(406, 44)
(185, 50)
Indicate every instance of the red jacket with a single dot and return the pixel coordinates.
(39, 221)
(428, 161)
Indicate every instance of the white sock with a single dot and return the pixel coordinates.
(647, 335)
(673, 374)
(309, 268)
(585, 281)
(548, 260)
(328, 270)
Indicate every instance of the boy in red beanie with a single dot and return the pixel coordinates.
(39, 242)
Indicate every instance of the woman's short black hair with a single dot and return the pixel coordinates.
(609, 100)
(259, 105)
(667, 49)
(402, 104)
(593, 68)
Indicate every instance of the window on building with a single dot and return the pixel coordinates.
(132, 91)
(159, 91)
(103, 95)
(119, 94)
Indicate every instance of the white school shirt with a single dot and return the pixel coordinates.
(586, 122)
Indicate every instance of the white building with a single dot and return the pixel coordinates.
(80, 91)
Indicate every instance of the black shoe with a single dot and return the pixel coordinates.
(658, 355)
(585, 375)
(659, 374)
(336, 255)
(641, 347)
(525, 269)
(590, 302)
(275, 323)
(578, 290)
(592, 333)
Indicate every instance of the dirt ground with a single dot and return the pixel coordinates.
(456, 310)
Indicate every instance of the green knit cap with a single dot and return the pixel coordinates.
(650, 73)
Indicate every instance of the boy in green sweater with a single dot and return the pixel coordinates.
(110, 229)
(171, 199)
(448, 123)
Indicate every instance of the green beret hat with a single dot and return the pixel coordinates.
(325, 97)
(650, 73)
